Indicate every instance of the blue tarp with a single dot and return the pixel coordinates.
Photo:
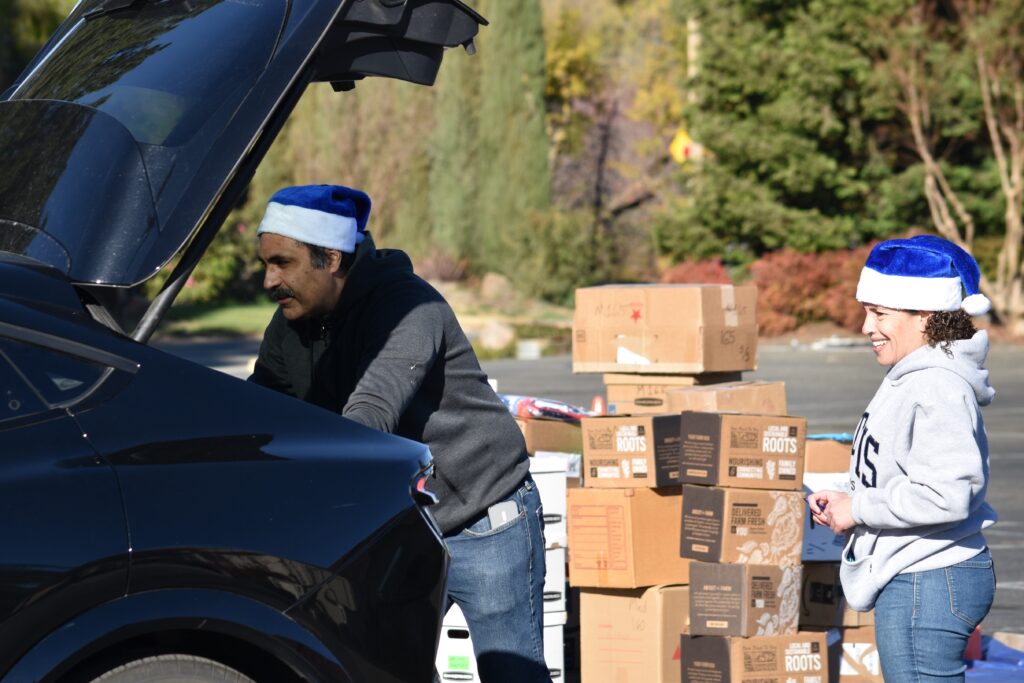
(1001, 664)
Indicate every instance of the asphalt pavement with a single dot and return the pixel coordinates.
(828, 385)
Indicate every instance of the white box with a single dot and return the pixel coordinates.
(455, 618)
(455, 659)
(554, 580)
(554, 644)
(549, 472)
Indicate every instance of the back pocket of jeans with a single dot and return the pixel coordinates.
(972, 587)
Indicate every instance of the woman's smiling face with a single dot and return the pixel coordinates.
(894, 333)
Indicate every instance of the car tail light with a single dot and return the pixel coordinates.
(424, 498)
(418, 486)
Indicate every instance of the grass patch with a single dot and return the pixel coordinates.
(232, 320)
(483, 354)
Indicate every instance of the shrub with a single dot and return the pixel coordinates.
(796, 288)
(693, 272)
(565, 249)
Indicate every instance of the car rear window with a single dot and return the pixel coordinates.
(115, 140)
(16, 398)
(160, 67)
(59, 378)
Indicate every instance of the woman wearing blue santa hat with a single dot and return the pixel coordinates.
(919, 468)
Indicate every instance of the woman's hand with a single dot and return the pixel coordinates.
(833, 509)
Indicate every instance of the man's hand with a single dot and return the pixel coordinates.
(833, 509)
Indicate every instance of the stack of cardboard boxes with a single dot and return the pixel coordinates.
(686, 537)
(625, 521)
(827, 464)
(743, 515)
(690, 550)
(554, 447)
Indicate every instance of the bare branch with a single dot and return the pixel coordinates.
(933, 169)
(985, 79)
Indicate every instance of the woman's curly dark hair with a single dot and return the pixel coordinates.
(945, 327)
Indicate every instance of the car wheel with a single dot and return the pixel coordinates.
(173, 669)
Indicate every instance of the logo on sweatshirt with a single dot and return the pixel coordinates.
(865, 448)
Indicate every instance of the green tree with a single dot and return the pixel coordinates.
(455, 160)
(955, 71)
(804, 147)
(515, 178)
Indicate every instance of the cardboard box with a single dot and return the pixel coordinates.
(759, 398)
(826, 466)
(744, 599)
(632, 394)
(621, 538)
(549, 473)
(742, 526)
(796, 658)
(826, 455)
(662, 329)
(860, 663)
(632, 636)
(821, 599)
(625, 451)
(555, 436)
(747, 451)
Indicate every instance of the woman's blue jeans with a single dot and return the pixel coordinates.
(497, 579)
(923, 620)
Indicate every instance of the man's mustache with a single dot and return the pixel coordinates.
(281, 292)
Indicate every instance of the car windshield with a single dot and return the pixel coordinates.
(105, 133)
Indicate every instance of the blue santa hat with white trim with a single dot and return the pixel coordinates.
(923, 273)
(330, 216)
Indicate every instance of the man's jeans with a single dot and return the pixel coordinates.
(923, 619)
(497, 578)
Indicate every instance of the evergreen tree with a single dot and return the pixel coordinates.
(796, 130)
(455, 160)
(513, 171)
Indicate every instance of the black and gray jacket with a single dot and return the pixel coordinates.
(392, 356)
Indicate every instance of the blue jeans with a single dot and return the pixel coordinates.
(497, 579)
(923, 619)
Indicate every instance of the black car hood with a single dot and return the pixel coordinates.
(141, 119)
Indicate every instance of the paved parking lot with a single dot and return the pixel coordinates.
(829, 386)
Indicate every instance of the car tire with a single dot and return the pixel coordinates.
(173, 669)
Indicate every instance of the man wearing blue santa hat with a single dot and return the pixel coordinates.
(358, 333)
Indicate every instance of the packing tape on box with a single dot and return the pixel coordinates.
(732, 316)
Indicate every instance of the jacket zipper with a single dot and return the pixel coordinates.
(319, 335)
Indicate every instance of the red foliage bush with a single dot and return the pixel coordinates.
(792, 288)
(795, 288)
(697, 272)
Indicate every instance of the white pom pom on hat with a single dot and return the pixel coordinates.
(976, 304)
(923, 273)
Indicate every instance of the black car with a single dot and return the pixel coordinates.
(160, 518)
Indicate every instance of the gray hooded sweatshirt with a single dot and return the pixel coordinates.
(919, 470)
